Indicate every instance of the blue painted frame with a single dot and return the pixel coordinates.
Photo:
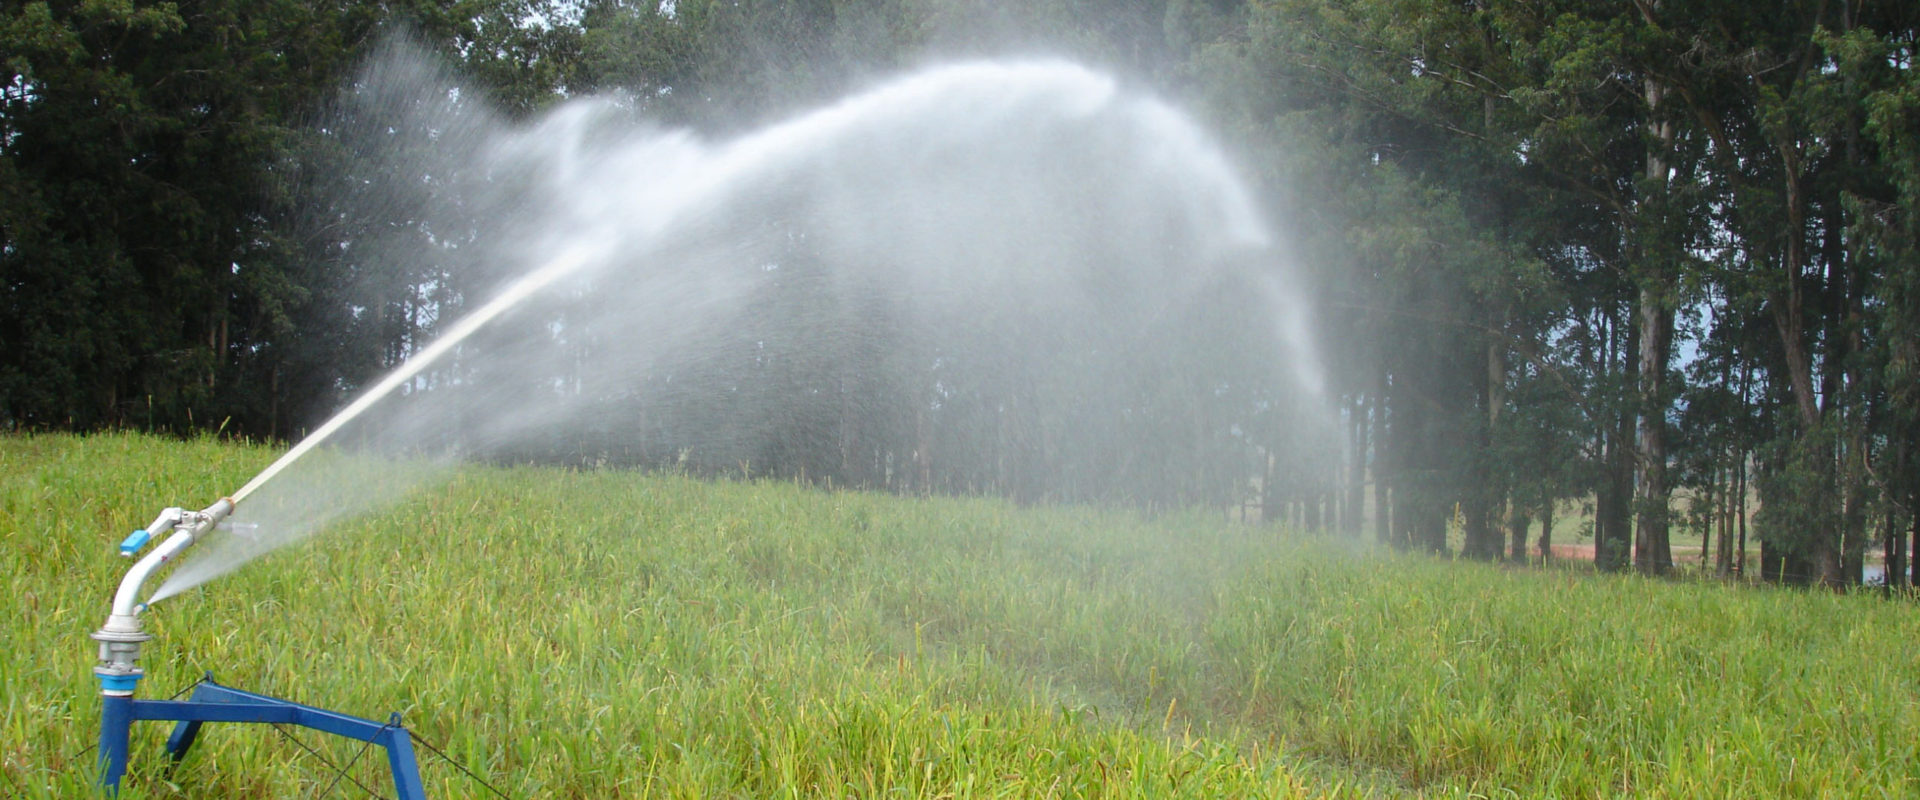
(212, 702)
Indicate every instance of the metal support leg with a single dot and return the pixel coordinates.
(181, 740)
(406, 771)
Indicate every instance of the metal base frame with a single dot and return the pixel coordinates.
(212, 702)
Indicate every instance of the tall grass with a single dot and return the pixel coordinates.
(594, 634)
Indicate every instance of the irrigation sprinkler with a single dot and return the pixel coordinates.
(119, 674)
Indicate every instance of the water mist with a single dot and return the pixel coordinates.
(1022, 256)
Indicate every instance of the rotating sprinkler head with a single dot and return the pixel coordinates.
(121, 636)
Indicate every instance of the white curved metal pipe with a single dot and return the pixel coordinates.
(126, 601)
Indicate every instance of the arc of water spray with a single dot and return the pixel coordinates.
(569, 260)
(636, 204)
(741, 157)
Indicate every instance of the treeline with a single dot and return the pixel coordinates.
(1662, 255)
(1619, 250)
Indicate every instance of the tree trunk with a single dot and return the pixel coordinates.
(1853, 518)
(922, 451)
(1612, 529)
(1896, 562)
(1546, 533)
(1895, 545)
(1740, 499)
(1652, 553)
(1486, 496)
(1480, 540)
(1847, 331)
(1706, 528)
(1269, 501)
(1913, 521)
(1823, 552)
(1853, 469)
(1382, 519)
(1723, 557)
(1356, 496)
(1517, 523)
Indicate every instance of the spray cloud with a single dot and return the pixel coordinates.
(1014, 277)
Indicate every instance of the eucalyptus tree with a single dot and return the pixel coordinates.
(1784, 109)
(1495, 111)
(1884, 234)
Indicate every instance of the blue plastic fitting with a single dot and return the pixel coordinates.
(118, 683)
(134, 542)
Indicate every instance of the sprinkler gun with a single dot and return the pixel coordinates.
(119, 675)
(120, 638)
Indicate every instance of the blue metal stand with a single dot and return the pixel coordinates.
(212, 702)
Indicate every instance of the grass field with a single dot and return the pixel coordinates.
(611, 634)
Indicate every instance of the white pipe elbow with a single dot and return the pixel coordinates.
(126, 600)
